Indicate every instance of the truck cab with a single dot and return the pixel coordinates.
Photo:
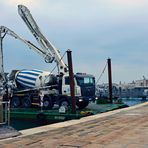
(86, 82)
(84, 88)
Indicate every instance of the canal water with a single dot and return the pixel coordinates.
(133, 101)
(26, 124)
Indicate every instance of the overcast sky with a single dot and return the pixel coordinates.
(93, 29)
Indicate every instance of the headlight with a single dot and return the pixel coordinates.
(80, 100)
(96, 98)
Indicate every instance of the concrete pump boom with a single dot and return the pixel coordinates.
(43, 42)
(5, 30)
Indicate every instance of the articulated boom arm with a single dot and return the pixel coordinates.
(43, 42)
(4, 30)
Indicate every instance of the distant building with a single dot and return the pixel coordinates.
(135, 89)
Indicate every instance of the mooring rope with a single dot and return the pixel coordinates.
(102, 73)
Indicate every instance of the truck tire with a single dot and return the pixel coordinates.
(26, 102)
(82, 104)
(47, 103)
(15, 102)
(64, 102)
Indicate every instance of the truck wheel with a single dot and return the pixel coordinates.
(47, 103)
(15, 102)
(82, 104)
(64, 102)
(26, 102)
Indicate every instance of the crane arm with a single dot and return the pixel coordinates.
(43, 42)
(6, 31)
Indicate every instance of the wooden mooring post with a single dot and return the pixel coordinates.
(110, 79)
(71, 78)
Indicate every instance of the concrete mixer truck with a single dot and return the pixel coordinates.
(30, 87)
(36, 87)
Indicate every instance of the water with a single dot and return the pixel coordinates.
(133, 101)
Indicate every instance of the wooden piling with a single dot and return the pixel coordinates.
(71, 77)
(110, 79)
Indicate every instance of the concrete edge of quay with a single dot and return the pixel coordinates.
(54, 126)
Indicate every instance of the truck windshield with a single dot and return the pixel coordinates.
(89, 81)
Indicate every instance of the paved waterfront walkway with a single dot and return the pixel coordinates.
(124, 128)
(7, 131)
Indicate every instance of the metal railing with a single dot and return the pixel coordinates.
(4, 113)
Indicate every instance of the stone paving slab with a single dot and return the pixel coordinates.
(7, 132)
(125, 128)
